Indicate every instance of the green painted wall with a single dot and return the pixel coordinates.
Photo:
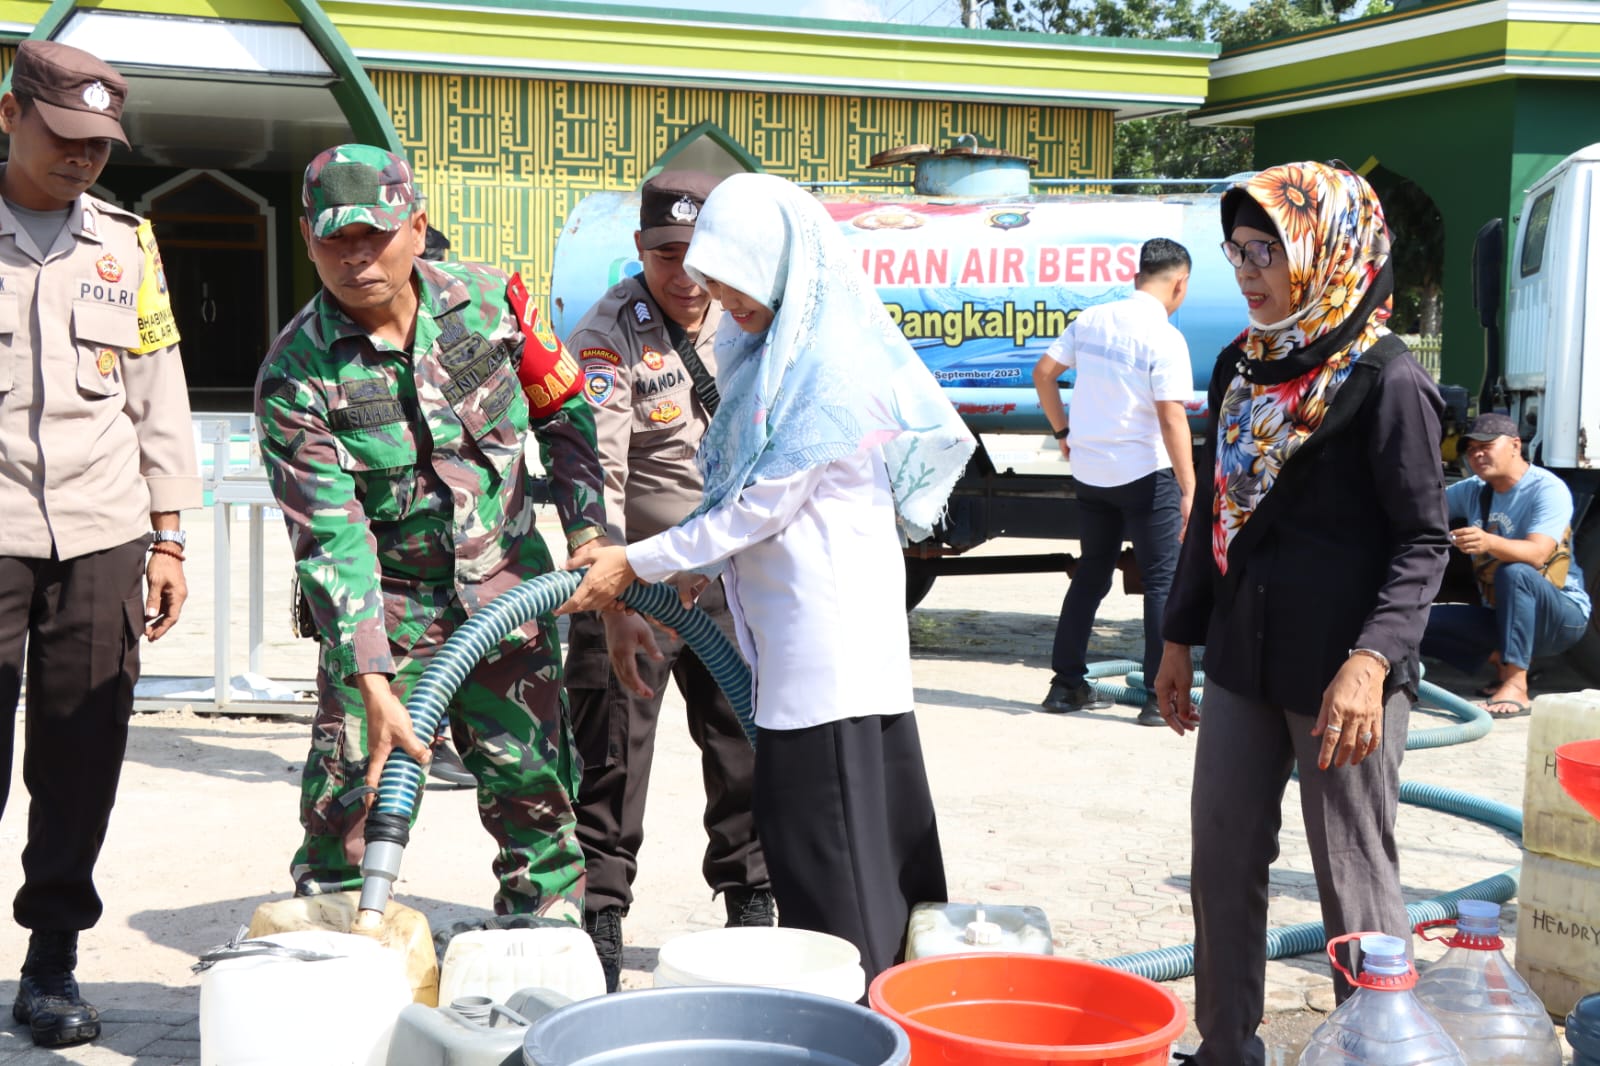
(1452, 144)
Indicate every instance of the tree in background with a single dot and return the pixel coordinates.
(1168, 146)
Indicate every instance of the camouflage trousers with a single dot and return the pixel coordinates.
(510, 725)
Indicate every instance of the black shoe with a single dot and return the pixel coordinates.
(1063, 699)
(1150, 714)
(447, 766)
(605, 929)
(749, 906)
(48, 1001)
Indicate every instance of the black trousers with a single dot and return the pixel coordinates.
(1242, 760)
(616, 731)
(1146, 512)
(847, 821)
(76, 623)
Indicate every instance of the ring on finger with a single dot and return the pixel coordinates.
(1333, 729)
(1365, 738)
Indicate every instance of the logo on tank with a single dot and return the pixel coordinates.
(1008, 218)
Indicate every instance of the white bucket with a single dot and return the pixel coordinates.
(266, 1010)
(498, 962)
(769, 957)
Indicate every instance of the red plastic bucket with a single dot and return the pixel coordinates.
(995, 1009)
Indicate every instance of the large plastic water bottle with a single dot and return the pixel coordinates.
(1482, 1003)
(1383, 1024)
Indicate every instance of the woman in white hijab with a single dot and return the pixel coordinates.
(832, 445)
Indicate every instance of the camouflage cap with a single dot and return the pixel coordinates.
(358, 183)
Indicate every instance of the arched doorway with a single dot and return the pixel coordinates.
(219, 248)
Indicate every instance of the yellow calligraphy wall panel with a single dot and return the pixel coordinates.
(503, 160)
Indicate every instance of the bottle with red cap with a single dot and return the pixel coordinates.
(1383, 1023)
(1480, 1000)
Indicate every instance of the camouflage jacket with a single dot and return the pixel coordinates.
(401, 476)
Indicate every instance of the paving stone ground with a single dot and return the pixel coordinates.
(1084, 815)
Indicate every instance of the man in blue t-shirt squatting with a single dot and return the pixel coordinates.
(1515, 521)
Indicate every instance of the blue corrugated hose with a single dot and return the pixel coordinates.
(388, 823)
(1169, 964)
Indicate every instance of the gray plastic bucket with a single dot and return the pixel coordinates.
(715, 1026)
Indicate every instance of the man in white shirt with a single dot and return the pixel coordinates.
(1130, 450)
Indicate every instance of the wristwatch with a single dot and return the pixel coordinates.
(174, 536)
(1060, 434)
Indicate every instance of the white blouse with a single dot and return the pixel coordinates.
(816, 584)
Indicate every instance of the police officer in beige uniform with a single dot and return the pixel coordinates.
(646, 351)
(96, 460)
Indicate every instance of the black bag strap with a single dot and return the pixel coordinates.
(1347, 403)
(705, 386)
(1486, 503)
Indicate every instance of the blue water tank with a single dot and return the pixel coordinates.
(979, 285)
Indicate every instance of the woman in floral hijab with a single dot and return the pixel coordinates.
(1327, 540)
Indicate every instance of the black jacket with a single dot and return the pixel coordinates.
(1349, 556)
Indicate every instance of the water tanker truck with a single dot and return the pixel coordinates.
(981, 276)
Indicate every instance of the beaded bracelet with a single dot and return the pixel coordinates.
(167, 547)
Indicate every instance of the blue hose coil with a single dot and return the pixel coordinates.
(1173, 963)
(477, 636)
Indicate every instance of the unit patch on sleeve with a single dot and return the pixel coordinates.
(599, 380)
(601, 353)
(158, 328)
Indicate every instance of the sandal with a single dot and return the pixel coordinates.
(1518, 710)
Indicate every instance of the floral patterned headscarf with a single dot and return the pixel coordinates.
(1287, 373)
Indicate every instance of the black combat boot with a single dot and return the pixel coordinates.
(47, 996)
(749, 906)
(605, 929)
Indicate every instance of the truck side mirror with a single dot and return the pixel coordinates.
(1488, 271)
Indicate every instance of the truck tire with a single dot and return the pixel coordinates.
(1584, 656)
(919, 580)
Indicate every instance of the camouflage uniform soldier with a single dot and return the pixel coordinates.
(648, 366)
(392, 429)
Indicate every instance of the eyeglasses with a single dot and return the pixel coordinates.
(1258, 252)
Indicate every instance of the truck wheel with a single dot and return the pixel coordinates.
(1584, 656)
(919, 580)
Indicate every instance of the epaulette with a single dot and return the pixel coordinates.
(103, 207)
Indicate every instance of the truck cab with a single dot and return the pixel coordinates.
(1547, 376)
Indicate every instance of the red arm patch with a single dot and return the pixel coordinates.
(548, 373)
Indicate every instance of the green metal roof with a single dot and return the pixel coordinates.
(616, 43)
(1449, 44)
